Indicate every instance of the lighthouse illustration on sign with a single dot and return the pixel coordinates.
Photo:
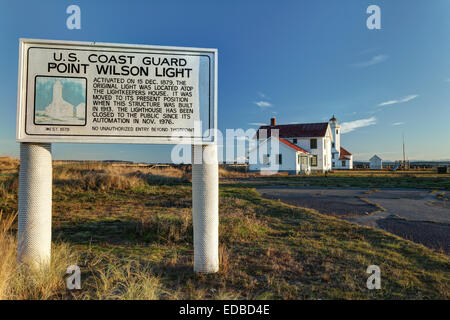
(60, 101)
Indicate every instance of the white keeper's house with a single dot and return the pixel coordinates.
(302, 148)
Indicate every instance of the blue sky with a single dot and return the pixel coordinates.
(300, 61)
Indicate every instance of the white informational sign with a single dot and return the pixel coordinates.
(115, 93)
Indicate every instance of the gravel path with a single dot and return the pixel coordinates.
(418, 215)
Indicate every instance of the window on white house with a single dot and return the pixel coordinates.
(332, 144)
(279, 159)
(313, 143)
(266, 159)
(333, 164)
(314, 161)
(332, 156)
(337, 131)
(343, 163)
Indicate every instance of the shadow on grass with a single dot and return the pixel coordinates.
(163, 229)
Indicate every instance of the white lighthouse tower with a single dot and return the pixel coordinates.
(336, 145)
(59, 108)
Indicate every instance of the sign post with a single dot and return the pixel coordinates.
(205, 207)
(35, 204)
(82, 92)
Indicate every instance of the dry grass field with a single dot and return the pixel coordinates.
(130, 230)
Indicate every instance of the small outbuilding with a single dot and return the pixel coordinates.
(376, 163)
(345, 160)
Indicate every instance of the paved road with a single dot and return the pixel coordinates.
(418, 215)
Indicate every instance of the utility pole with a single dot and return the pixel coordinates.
(404, 156)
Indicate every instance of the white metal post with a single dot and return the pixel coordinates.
(205, 207)
(35, 204)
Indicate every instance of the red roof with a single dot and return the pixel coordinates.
(297, 130)
(293, 146)
(345, 152)
(344, 155)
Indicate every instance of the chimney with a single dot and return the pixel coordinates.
(273, 122)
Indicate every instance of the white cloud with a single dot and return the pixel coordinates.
(375, 60)
(398, 123)
(263, 104)
(257, 123)
(350, 126)
(447, 80)
(263, 95)
(402, 100)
